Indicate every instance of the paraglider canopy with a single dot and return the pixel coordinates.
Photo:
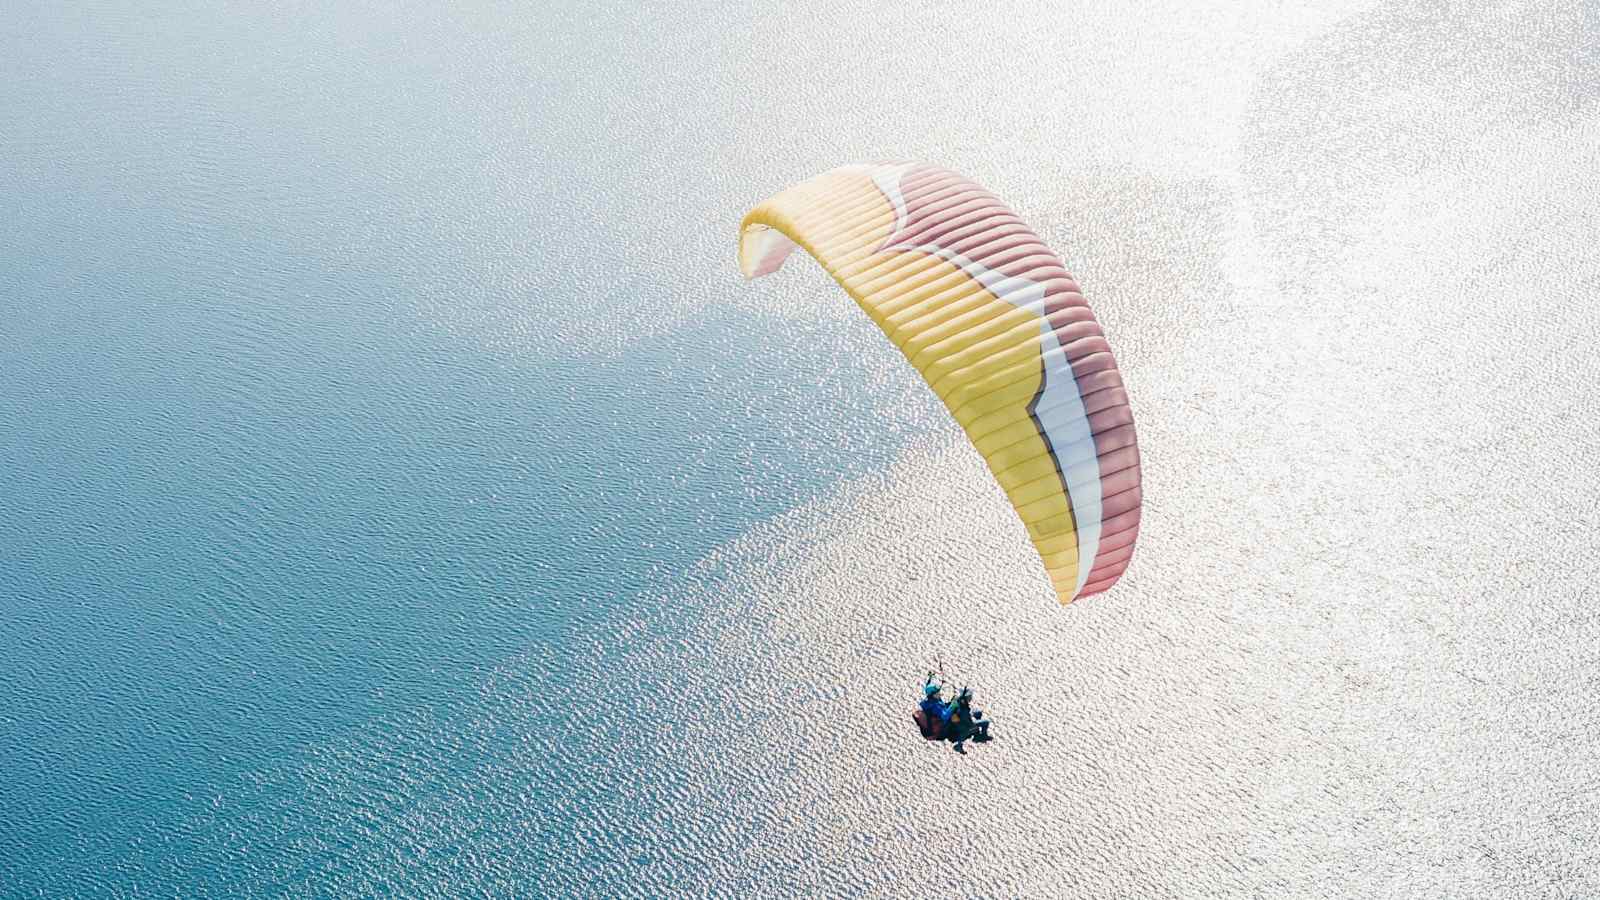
(999, 330)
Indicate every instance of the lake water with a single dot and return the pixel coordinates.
(401, 493)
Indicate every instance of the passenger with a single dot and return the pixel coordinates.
(966, 722)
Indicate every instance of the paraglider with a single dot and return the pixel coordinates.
(932, 714)
(1002, 334)
(955, 721)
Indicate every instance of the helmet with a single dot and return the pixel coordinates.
(930, 689)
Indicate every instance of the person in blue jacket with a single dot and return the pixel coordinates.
(933, 706)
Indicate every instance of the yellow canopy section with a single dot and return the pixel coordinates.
(1000, 332)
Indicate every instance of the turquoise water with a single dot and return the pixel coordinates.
(401, 494)
(284, 452)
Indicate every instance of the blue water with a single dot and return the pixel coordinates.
(261, 485)
(400, 493)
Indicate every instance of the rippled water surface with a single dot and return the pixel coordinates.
(400, 492)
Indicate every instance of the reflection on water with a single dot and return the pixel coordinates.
(409, 498)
